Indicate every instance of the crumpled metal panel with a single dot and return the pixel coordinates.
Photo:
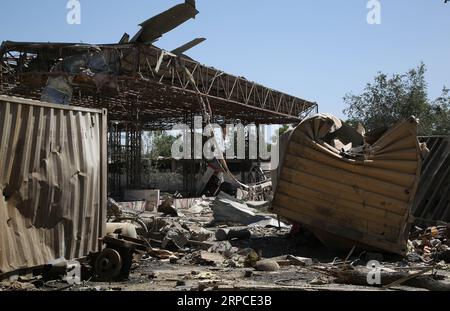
(155, 27)
(52, 180)
(349, 200)
(432, 202)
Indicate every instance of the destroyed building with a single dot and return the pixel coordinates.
(142, 88)
(347, 191)
(75, 186)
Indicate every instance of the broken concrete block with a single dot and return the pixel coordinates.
(230, 211)
(224, 248)
(267, 265)
(227, 209)
(301, 261)
(248, 273)
(200, 234)
(241, 194)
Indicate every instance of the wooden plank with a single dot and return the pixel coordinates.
(365, 211)
(352, 193)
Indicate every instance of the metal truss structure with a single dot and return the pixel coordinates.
(154, 86)
(153, 90)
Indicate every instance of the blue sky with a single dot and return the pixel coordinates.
(316, 49)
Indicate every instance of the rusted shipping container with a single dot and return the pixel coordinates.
(53, 182)
(350, 192)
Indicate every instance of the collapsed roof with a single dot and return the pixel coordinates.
(137, 81)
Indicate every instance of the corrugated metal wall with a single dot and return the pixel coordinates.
(53, 180)
(350, 201)
(432, 201)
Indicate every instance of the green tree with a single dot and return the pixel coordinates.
(278, 133)
(161, 144)
(387, 100)
(283, 129)
(441, 113)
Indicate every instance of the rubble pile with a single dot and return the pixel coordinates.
(230, 242)
(429, 245)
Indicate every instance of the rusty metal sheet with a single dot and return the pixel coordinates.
(361, 196)
(159, 107)
(432, 202)
(52, 180)
(164, 22)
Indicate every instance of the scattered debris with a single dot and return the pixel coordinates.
(267, 265)
(262, 206)
(229, 210)
(389, 278)
(230, 236)
(207, 258)
(53, 208)
(429, 245)
(115, 260)
(175, 236)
